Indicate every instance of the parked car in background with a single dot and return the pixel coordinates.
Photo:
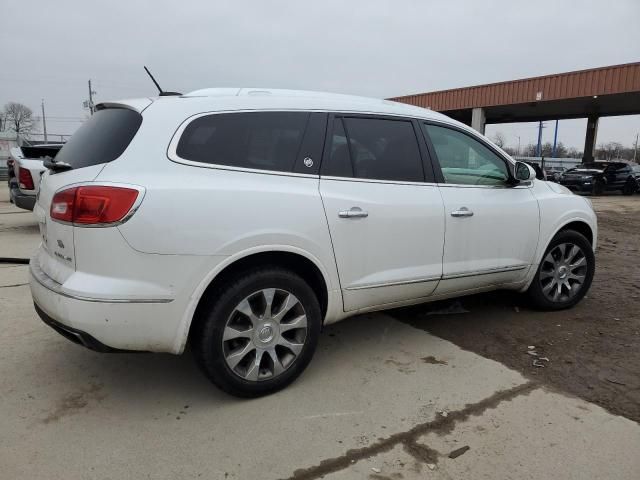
(617, 176)
(636, 174)
(600, 177)
(26, 166)
(554, 173)
(241, 221)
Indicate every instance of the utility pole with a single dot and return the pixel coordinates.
(91, 94)
(44, 121)
(518, 144)
(555, 141)
(635, 149)
(539, 147)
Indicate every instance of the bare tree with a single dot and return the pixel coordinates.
(19, 118)
(499, 139)
(609, 151)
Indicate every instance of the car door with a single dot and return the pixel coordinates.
(385, 217)
(491, 226)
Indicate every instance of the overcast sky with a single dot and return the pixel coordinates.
(367, 47)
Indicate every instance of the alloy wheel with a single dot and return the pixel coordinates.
(563, 272)
(264, 334)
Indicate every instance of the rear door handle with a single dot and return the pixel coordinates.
(462, 212)
(353, 212)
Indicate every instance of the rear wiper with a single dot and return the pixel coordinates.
(56, 166)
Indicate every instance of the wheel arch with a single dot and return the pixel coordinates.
(579, 225)
(295, 259)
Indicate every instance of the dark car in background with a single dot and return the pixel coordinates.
(636, 176)
(601, 177)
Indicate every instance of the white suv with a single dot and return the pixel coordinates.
(241, 221)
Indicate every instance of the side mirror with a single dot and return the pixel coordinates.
(524, 172)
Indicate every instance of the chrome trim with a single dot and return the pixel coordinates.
(50, 284)
(488, 271)
(462, 212)
(498, 187)
(393, 284)
(373, 180)
(173, 156)
(353, 212)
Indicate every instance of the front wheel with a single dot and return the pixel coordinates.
(565, 272)
(598, 187)
(258, 332)
(629, 188)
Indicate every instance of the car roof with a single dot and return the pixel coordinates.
(226, 99)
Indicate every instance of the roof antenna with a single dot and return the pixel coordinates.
(161, 92)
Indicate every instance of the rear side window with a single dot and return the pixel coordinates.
(261, 140)
(375, 148)
(102, 138)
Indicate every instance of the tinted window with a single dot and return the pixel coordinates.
(383, 149)
(263, 140)
(338, 161)
(102, 138)
(464, 160)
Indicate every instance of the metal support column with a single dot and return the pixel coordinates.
(590, 139)
(478, 119)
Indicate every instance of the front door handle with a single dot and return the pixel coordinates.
(353, 212)
(462, 212)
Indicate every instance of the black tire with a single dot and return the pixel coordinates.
(598, 187)
(535, 292)
(629, 188)
(206, 339)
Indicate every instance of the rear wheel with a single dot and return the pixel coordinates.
(629, 187)
(565, 272)
(258, 333)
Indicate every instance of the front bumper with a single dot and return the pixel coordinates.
(22, 200)
(578, 186)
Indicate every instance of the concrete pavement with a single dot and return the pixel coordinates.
(380, 400)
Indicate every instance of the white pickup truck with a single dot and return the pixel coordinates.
(26, 165)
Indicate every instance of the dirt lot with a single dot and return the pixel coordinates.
(593, 349)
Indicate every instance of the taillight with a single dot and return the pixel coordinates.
(93, 205)
(25, 179)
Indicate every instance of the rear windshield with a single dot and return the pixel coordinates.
(101, 139)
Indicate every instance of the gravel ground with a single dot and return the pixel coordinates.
(593, 349)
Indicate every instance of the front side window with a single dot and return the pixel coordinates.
(374, 148)
(464, 160)
(261, 140)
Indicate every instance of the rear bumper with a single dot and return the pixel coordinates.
(22, 200)
(75, 335)
(104, 325)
